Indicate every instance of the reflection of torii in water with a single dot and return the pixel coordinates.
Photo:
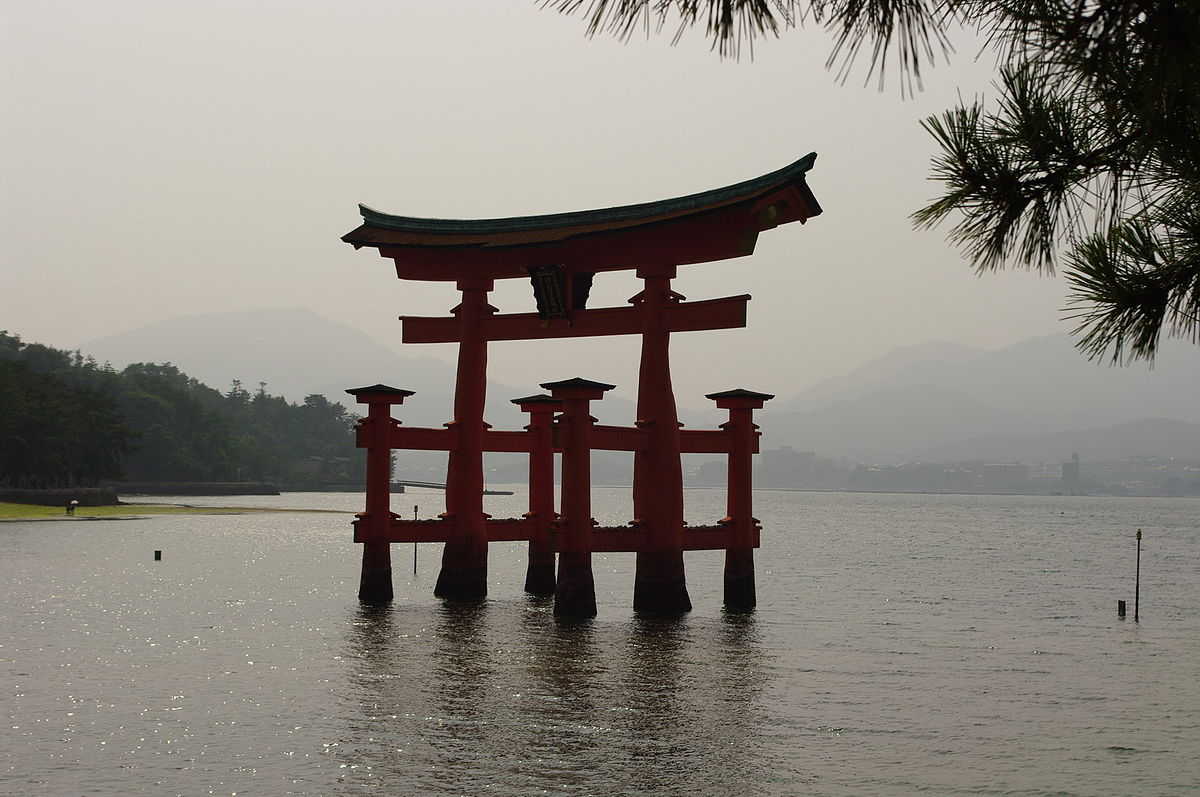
(560, 254)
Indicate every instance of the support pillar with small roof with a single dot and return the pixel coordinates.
(373, 525)
(740, 592)
(539, 574)
(575, 591)
(561, 254)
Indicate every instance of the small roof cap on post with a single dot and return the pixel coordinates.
(527, 403)
(577, 387)
(379, 394)
(740, 399)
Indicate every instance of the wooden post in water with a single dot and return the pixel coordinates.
(1137, 578)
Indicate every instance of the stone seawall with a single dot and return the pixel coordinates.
(197, 488)
(86, 496)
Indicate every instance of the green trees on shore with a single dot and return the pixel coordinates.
(54, 434)
(67, 420)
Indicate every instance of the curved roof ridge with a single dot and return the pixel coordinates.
(793, 171)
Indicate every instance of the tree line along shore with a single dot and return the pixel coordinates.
(68, 421)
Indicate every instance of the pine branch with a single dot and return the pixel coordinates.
(1140, 279)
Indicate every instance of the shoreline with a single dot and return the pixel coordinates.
(13, 512)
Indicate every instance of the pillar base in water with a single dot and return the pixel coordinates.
(739, 592)
(739, 579)
(462, 583)
(660, 586)
(375, 585)
(575, 595)
(539, 577)
(464, 572)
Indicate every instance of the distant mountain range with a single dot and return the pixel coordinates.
(943, 401)
(1158, 437)
(1038, 400)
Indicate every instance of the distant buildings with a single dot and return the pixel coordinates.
(942, 477)
(1072, 484)
(786, 468)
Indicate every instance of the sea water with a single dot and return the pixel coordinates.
(903, 644)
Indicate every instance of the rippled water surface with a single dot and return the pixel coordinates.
(904, 644)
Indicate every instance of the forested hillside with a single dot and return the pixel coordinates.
(68, 420)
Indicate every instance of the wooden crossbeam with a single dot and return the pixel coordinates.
(705, 441)
(619, 438)
(416, 438)
(511, 441)
(398, 530)
(605, 539)
(725, 313)
(604, 438)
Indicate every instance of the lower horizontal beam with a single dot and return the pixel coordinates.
(605, 539)
(397, 530)
(511, 530)
(617, 539)
(628, 539)
(707, 538)
(406, 531)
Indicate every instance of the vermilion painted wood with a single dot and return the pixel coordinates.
(375, 583)
(464, 559)
(620, 438)
(652, 238)
(610, 539)
(400, 530)
(659, 583)
(417, 438)
(575, 591)
(604, 438)
(721, 234)
(740, 591)
(513, 442)
(725, 313)
(540, 578)
(705, 441)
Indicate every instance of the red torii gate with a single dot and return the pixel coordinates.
(561, 253)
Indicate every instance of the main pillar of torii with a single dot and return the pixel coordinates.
(561, 254)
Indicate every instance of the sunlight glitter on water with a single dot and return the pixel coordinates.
(903, 644)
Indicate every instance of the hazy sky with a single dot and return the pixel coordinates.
(165, 158)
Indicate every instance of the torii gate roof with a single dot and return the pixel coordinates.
(698, 228)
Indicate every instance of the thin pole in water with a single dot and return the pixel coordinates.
(414, 542)
(1137, 578)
